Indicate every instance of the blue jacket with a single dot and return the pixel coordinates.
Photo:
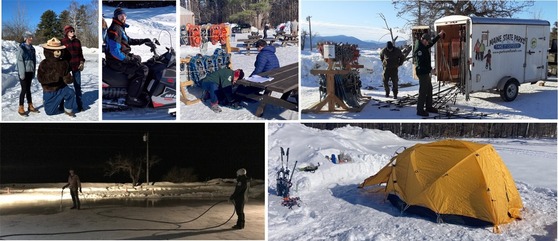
(118, 42)
(266, 60)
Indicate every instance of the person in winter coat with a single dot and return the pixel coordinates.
(120, 58)
(26, 65)
(74, 184)
(54, 76)
(266, 27)
(266, 59)
(240, 197)
(392, 58)
(220, 83)
(75, 56)
(423, 68)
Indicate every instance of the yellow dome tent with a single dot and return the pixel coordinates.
(452, 178)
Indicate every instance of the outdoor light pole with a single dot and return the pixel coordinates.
(310, 29)
(146, 140)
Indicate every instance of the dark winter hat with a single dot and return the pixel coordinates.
(389, 45)
(261, 43)
(426, 36)
(117, 12)
(27, 35)
(239, 74)
(67, 29)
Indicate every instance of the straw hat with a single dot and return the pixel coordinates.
(53, 44)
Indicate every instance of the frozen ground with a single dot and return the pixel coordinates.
(535, 101)
(119, 211)
(200, 111)
(333, 208)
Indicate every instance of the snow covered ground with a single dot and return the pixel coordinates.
(120, 211)
(533, 102)
(159, 23)
(11, 87)
(333, 208)
(200, 111)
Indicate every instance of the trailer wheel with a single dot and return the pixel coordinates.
(510, 90)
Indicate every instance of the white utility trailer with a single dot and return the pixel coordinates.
(485, 54)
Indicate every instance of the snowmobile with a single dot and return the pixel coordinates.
(160, 85)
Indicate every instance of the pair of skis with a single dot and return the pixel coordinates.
(284, 181)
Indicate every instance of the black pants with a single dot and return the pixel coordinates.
(137, 73)
(239, 208)
(75, 198)
(425, 92)
(26, 88)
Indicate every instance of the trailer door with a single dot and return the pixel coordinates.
(535, 53)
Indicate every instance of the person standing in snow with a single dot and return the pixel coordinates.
(26, 65)
(120, 58)
(240, 196)
(392, 58)
(221, 82)
(74, 184)
(75, 55)
(266, 27)
(423, 68)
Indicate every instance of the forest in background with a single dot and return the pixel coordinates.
(83, 17)
(253, 12)
(454, 130)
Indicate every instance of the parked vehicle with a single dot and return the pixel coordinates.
(483, 54)
(241, 28)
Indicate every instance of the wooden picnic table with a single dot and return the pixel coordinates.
(285, 81)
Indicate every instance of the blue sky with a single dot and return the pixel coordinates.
(360, 18)
(35, 8)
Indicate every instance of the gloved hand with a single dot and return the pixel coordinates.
(80, 67)
(68, 79)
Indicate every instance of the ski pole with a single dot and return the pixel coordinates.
(294, 168)
(288, 157)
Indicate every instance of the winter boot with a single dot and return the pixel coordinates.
(71, 114)
(32, 108)
(21, 111)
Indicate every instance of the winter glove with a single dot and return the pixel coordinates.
(135, 58)
(80, 67)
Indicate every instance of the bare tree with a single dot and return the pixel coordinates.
(13, 29)
(132, 165)
(425, 12)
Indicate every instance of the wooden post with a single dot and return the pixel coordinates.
(184, 85)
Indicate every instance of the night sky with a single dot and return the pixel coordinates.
(41, 152)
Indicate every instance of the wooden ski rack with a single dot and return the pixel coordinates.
(331, 100)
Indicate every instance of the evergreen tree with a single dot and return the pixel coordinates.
(48, 27)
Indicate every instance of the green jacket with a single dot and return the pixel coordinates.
(392, 59)
(422, 56)
(222, 77)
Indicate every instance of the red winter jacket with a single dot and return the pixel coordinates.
(73, 47)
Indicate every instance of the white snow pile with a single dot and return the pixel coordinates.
(240, 60)
(215, 188)
(535, 101)
(159, 23)
(11, 86)
(333, 208)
